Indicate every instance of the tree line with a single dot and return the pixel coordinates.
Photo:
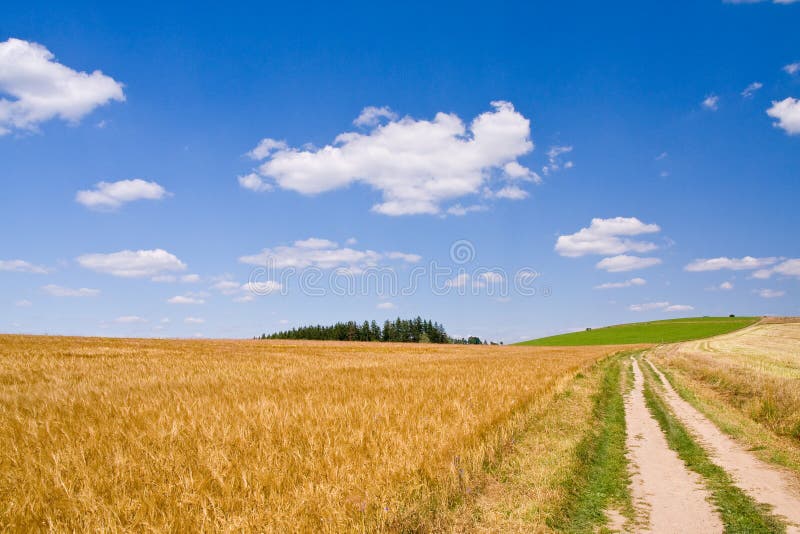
(417, 330)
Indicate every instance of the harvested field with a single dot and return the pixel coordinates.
(756, 371)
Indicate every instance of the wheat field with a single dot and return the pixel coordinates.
(198, 435)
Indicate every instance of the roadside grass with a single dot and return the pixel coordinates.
(563, 470)
(668, 331)
(601, 481)
(738, 511)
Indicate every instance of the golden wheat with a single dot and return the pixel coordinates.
(153, 435)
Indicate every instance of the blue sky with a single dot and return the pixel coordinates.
(512, 127)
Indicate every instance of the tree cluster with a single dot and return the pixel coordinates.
(416, 330)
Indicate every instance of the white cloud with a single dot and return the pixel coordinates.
(23, 303)
(458, 210)
(607, 236)
(21, 266)
(266, 147)
(194, 320)
(516, 171)
(460, 280)
(624, 263)
(724, 286)
(678, 307)
(59, 291)
(711, 102)
(188, 298)
(133, 263)
(789, 267)
(511, 192)
(111, 195)
(415, 164)
(267, 287)
(491, 277)
(770, 293)
(792, 68)
(386, 306)
(190, 278)
(226, 286)
(647, 306)
(787, 112)
(751, 89)
(554, 159)
(734, 264)
(661, 156)
(42, 89)
(371, 116)
(254, 182)
(627, 283)
(130, 319)
(664, 306)
(323, 254)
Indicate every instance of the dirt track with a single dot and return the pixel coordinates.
(665, 492)
(764, 483)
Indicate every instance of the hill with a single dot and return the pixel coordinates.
(668, 331)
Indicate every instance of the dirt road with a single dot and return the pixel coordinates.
(668, 496)
(764, 483)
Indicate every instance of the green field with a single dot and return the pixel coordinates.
(669, 331)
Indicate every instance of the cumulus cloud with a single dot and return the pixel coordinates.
(734, 264)
(22, 266)
(59, 291)
(188, 298)
(491, 277)
(254, 182)
(458, 281)
(724, 286)
(111, 195)
(133, 263)
(627, 283)
(416, 165)
(554, 159)
(459, 211)
(664, 306)
(751, 89)
(607, 236)
(711, 102)
(787, 111)
(41, 89)
(323, 254)
(792, 68)
(511, 192)
(624, 263)
(770, 293)
(130, 319)
(371, 116)
(266, 147)
(789, 267)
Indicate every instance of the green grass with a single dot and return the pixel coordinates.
(669, 331)
(738, 511)
(602, 480)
